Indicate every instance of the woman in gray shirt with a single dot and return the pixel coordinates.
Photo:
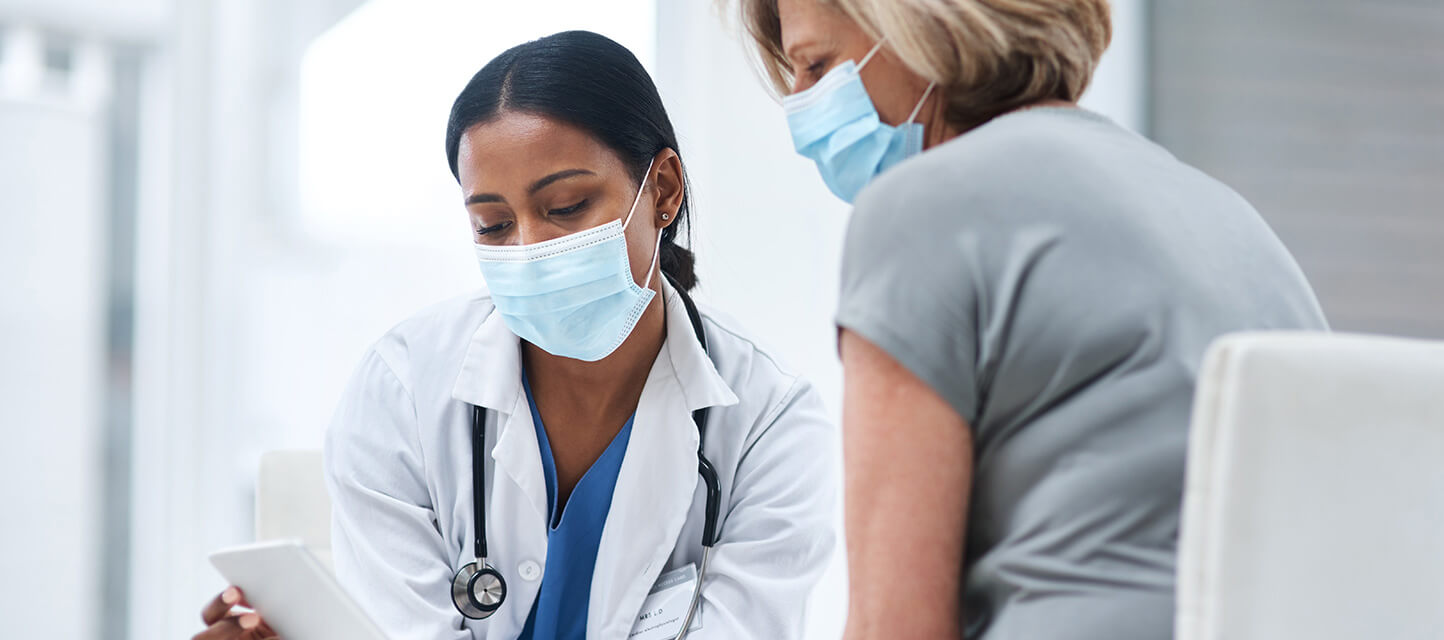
(1028, 290)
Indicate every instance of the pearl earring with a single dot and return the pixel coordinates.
(664, 216)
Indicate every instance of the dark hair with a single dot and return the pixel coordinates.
(589, 81)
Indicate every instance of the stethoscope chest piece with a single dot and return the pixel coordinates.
(478, 590)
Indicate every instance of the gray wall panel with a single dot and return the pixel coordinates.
(1329, 117)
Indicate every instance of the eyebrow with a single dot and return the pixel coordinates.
(481, 198)
(790, 52)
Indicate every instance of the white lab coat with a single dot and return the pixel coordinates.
(398, 466)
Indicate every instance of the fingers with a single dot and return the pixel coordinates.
(226, 629)
(246, 626)
(242, 597)
(219, 606)
(264, 632)
(223, 622)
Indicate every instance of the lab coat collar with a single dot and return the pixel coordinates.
(702, 386)
(490, 374)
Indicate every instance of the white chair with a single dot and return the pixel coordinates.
(292, 502)
(1314, 505)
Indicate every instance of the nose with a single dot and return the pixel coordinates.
(530, 230)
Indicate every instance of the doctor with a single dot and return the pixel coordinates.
(581, 380)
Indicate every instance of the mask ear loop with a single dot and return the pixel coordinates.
(870, 54)
(926, 93)
(656, 250)
(656, 257)
(918, 109)
(638, 197)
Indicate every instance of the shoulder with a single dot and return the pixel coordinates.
(741, 357)
(766, 387)
(1019, 163)
(1012, 190)
(432, 336)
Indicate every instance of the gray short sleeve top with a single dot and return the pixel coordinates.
(1057, 278)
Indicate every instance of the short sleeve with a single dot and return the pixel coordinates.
(913, 291)
(935, 273)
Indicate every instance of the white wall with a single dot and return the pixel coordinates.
(131, 20)
(1120, 85)
(52, 392)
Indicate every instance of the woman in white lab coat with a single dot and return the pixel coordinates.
(583, 366)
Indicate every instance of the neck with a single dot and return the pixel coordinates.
(610, 385)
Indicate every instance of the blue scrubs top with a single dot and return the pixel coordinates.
(573, 533)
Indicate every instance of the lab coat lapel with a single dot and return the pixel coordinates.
(516, 518)
(516, 503)
(649, 505)
(490, 377)
(658, 478)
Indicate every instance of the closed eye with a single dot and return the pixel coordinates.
(481, 231)
(567, 211)
(818, 66)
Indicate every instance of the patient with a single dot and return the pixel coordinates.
(1027, 293)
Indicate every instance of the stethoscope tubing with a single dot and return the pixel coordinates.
(696, 593)
(464, 599)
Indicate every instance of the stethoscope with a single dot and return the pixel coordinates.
(478, 590)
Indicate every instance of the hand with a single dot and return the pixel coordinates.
(223, 622)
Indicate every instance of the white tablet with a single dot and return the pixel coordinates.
(294, 593)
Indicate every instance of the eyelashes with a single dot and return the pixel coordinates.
(817, 67)
(559, 213)
(566, 211)
(481, 231)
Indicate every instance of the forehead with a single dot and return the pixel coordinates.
(521, 146)
(807, 22)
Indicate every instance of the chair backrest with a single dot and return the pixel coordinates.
(292, 502)
(1314, 505)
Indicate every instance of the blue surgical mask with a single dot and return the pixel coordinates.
(836, 125)
(573, 296)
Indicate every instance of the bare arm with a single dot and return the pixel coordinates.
(908, 465)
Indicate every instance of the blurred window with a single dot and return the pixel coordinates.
(375, 115)
(58, 62)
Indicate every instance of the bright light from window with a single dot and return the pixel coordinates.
(376, 91)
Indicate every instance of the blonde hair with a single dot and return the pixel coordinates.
(986, 56)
